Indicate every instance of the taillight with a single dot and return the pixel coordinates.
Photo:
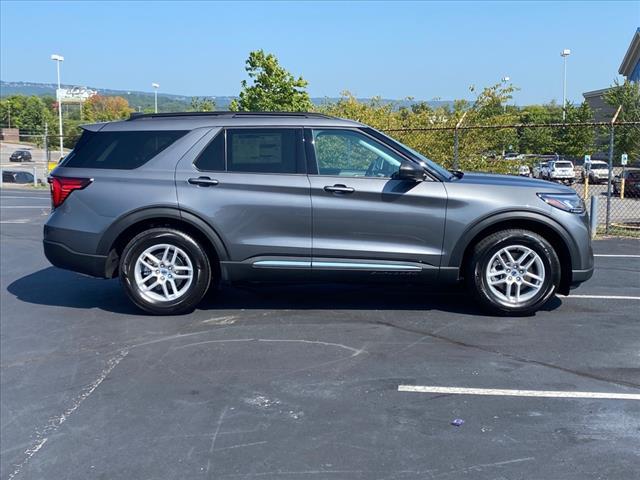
(61, 188)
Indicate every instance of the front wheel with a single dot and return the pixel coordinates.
(514, 272)
(165, 271)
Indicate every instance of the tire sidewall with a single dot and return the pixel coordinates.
(201, 271)
(549, 260)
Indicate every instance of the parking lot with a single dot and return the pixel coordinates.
(296, 382)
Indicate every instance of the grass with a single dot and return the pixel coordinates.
(617, 230)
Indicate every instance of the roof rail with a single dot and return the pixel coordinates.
(136, 115)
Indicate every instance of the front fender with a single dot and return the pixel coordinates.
(508, 218)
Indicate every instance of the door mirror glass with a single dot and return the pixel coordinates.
(410, 171)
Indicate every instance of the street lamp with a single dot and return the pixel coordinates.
(505, 80)
(564, 54)
(59, 59)
(155, 86)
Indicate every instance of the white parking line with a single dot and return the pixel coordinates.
(517, 393)
(42, 197)
(19, 220)
(616, 256)
(42, 434)
(602, 297)
(24, 206)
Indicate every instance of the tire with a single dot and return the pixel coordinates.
(182, 281)
(484, 261)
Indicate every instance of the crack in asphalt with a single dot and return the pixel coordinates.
(510, 356)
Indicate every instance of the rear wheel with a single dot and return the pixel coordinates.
(165, 271)
(514, 272)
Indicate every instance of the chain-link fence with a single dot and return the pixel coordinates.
(552, 152)
(26, 160)
(585, 156)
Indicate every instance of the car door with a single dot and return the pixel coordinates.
(250, 185)
(363, 218)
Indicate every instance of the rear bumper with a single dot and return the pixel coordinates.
(63, 257)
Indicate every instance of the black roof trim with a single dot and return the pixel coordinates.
(226, 114)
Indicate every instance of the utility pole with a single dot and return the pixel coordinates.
(611, 137)
(456, 163)
(564, 54)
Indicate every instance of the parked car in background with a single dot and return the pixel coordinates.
(631, 183)
(513, 156)
(9, 176)
(174, 204)
(524, 171)
(559, 171)
(20, 156)
(537, 169)
(596, 170)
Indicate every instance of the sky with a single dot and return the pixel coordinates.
(424, 50)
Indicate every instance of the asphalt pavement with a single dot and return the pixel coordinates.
(302, 381)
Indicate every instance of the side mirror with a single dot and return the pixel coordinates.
(410, 171)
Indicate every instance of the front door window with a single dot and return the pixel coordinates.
(347, 153)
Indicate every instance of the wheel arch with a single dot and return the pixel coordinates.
(548, 228)
(125, 228)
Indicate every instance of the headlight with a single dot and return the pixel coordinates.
(569, 202)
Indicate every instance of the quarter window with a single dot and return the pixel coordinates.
(352, 154)
(119, 150)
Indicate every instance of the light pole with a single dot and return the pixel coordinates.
(564, 54)
(155, 86)
(59, 59)
(505, 80)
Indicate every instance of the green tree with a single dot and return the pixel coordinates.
(627, 138)
(273, 88)
(29, 114)
(577, 141)
(203, 104)
(539, 139)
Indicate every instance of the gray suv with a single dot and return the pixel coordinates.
(174, 204)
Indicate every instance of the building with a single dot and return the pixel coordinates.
(10, 135)
(630, 66)
(629, 69)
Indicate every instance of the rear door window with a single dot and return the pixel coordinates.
(265, 150)
(119, 150)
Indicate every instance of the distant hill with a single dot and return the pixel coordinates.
(168, 102)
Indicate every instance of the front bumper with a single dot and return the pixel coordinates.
(580, 276)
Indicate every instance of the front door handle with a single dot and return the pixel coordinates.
(203, 181)
(339, 189)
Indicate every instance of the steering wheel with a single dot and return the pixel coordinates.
(370, 169)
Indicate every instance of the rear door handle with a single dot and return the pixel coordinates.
(339, 189)
(203, 181)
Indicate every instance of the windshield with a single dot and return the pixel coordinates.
(431, 165)
(598, 165)
(563, 165)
